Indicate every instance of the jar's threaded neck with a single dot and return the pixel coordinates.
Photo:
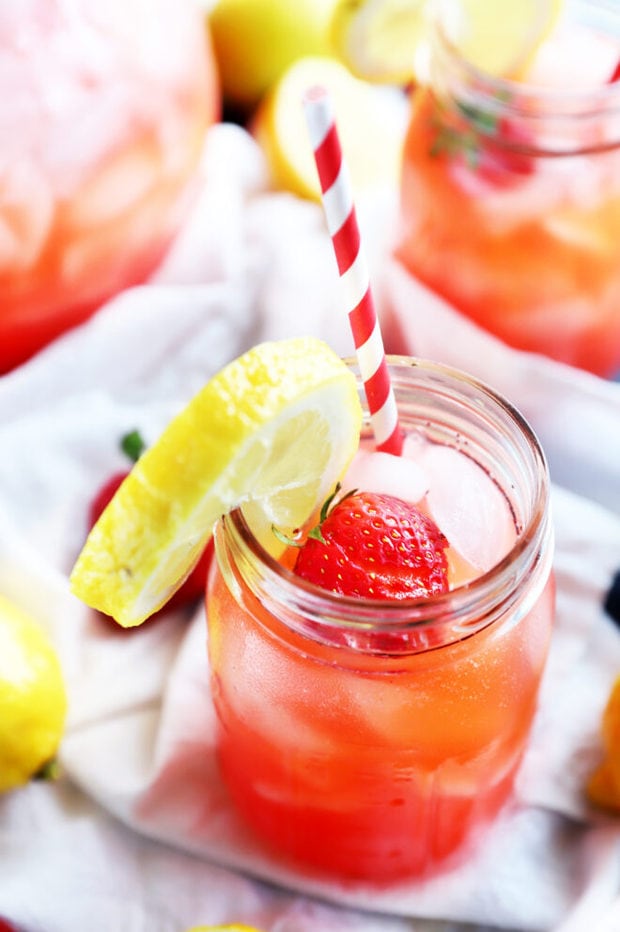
(537, 119)
(458, 411)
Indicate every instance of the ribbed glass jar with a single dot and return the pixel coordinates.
(372, 740)
(511, 194)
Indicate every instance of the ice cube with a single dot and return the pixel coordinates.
(468, 507)
(280, 700)
(386, 474)
(26, 214)
(576, 58)
(115, 188)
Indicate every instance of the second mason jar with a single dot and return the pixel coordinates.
(511, 191)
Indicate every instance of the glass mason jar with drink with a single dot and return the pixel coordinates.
(103, 120)
(511, 187)
(375, 739)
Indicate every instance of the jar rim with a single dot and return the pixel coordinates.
(457, 606)
(517, 99)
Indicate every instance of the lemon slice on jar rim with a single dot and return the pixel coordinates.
(388, 41)
(275, 429)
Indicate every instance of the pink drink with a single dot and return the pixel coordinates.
(375, 740)
(511, 192)
(104, 111)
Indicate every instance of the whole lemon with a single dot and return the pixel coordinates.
(256, 40)
(33, 701)
(229, 928)
(603, 787)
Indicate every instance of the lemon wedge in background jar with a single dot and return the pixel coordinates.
(388, 41)
(33, 701)
(274, 430)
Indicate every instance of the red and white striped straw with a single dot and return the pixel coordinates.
(344, 231)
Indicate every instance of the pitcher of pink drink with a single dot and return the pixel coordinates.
(105, 106)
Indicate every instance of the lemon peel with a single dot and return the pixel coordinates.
(275, 429)
(380, 40)
(255, 41)
(603, 785)
(33, 701)
(502, 39)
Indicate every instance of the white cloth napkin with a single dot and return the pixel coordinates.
(139, 834)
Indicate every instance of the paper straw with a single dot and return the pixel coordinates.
(344, 231)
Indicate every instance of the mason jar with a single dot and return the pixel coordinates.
(510, 191)
(376, 740)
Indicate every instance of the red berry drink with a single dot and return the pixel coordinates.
(375, 686)
(511, 192)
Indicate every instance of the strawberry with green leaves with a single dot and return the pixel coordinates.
(375, 546)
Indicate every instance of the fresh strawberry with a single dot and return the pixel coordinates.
(375, 546)
(133, 447)
(497, 150)
(104, 496)
(505, 162)
(194, 586)
(193, 589)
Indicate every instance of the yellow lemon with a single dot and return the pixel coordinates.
(235, 927)
(389, 40)
(603, 787)
(502, 38)
(273, 431)
(256, 40)
(379, 40)
(371, 123)
(33, 701)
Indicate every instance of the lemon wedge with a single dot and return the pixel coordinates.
(388, 41)
(371, 124)
(381, 40)
(501, 38)
(275, 429)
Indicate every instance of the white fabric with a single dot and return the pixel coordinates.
(138, 834)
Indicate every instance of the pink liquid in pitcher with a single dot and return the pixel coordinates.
(104, 111)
